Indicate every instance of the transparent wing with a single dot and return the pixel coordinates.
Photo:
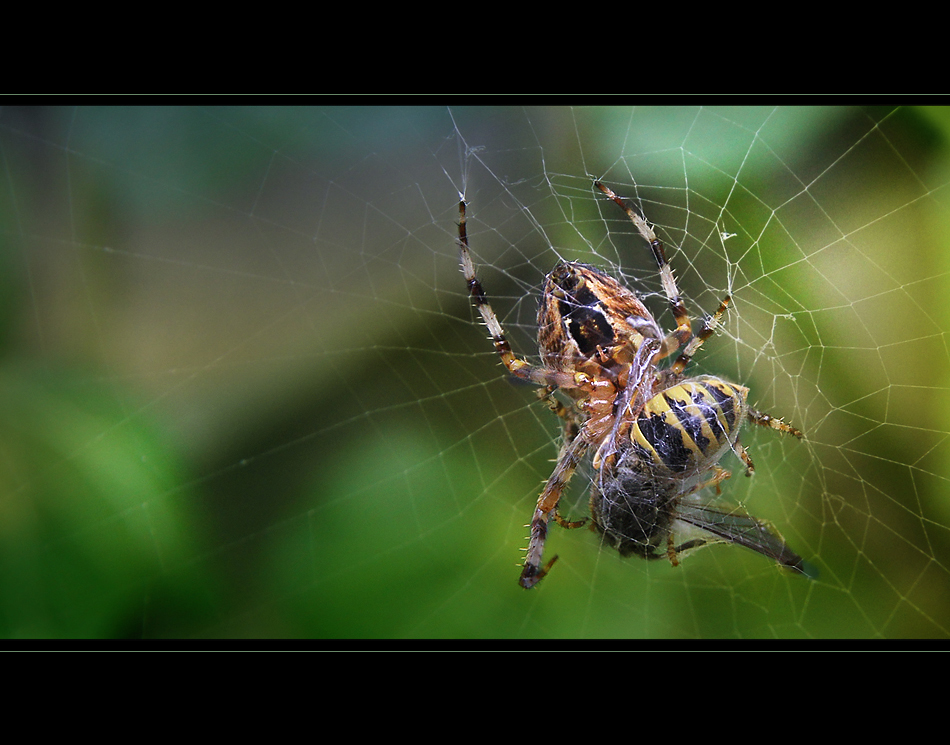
(737, 526)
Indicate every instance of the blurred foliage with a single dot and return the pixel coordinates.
(185, 452)
(95, 522)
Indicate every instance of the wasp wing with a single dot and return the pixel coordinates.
(734, 525)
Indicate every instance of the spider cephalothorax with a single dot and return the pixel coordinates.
(656, 434)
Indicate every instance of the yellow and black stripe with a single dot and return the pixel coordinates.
(687, 426)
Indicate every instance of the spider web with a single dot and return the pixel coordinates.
(247, 395)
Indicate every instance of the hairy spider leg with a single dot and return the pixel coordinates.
(709, 327)
(517, 367)
(681, 335)
(533, 572)
(596, 401)
(684, 330)
(571, 428)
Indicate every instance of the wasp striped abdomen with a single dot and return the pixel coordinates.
(690, 425)
(677, 438)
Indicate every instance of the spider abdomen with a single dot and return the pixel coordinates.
(688, 427)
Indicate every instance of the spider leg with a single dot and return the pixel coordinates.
(767, 420)
(517, 367)
(571, 455)
(744, 457)
(684, 330)
(764, 420)
(576, 428)
(573, 419)
(572, 427)
(709, 327)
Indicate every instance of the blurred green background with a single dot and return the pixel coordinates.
(244, 394)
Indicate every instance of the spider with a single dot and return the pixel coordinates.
(655, 434)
